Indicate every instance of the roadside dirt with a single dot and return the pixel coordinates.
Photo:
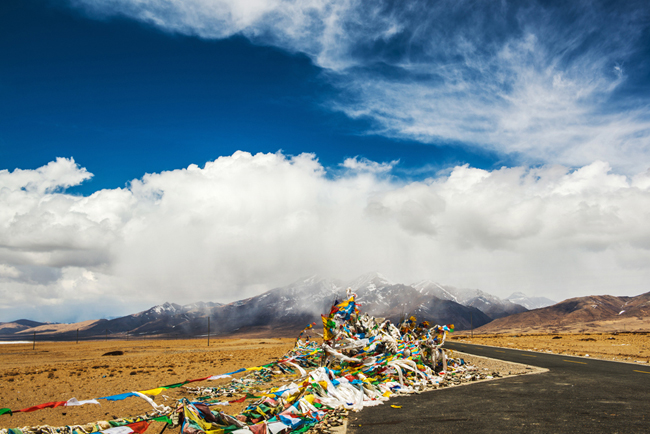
(626, 347)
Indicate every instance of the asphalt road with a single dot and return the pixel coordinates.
(576, 395)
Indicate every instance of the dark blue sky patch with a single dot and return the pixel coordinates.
(124, 99)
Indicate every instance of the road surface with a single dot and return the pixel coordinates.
(576, 395)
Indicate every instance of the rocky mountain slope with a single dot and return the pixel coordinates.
(491, 305)
(586, 313)
(383, 298)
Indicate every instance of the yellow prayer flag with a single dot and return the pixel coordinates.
(327, 334)
(153, 392)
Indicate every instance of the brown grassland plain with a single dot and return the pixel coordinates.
(625, 347)
(58, 371)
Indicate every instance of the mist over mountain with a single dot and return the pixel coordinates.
(286, 310)
(489, 304)
(530, 303)
(381, 297)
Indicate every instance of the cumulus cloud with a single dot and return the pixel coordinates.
(57, 175)
(245, 223)
(542, 82)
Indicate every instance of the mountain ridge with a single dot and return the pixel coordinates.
(290, 308)
(594, 312)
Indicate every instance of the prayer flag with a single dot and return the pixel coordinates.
(41, 406)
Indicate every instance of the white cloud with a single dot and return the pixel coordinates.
(364, 165)
(8, 271)
(57, 175)
(544, 83)
(246, 222)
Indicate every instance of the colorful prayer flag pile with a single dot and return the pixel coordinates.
(361, 362)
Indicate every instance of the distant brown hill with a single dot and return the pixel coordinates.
(593, 313)
(14, 327)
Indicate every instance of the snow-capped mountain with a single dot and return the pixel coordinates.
(491, 305)
(369, 282)
(167, 309)
(305, 300)
(162, 309)
(430, 287)
(530, 303)
(398, 301)
(287, 309)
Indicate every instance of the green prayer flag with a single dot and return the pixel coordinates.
(175, 385)
(305, 427)
(6, 411)
(162, 419)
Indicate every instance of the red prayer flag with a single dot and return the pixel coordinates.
(42, 406)
(242, 399)
(259, 428)
(198, 379)
(139, 427)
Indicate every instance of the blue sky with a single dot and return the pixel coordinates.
(124, 98)
(196, 149)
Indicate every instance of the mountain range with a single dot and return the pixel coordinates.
(598, 313)
(286, 310)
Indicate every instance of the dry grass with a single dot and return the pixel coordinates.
(58, 371)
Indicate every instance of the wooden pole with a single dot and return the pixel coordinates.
(471, 321)
(208, 331)
(77, 335)
(34, 345)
